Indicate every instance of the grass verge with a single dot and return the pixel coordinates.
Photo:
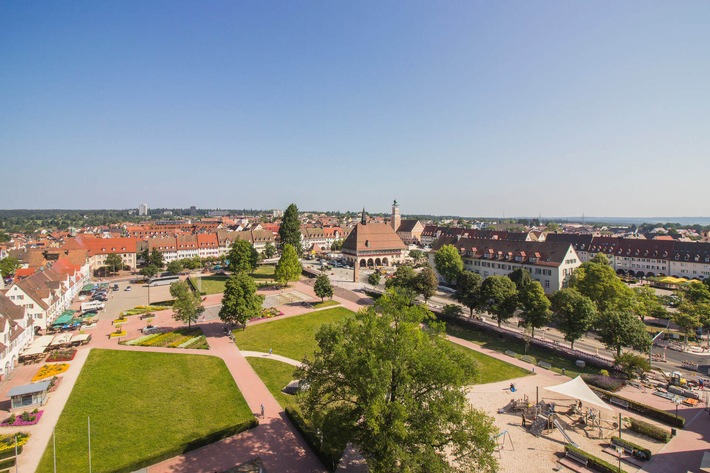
(144, 405)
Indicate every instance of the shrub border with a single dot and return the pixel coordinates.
(633, 446)
(310, 437)
(10, 453)
(650, 430)
(595, 463)
(213, 437)
(8, 463)
(652, 412)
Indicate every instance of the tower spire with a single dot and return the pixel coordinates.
(363, 220)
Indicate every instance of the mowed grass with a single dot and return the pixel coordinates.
(210, 284)
(275, 375)
(264, 271)
(490, 370)
(141, 405)
(493, 342)
(327, 303)
(293, 338)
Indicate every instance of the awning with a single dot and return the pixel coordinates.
(578, 389)
(87, 288)
(69, 312)
(62, 319)
(60, 340)
(38, 346)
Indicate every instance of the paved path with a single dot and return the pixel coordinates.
(259, 354)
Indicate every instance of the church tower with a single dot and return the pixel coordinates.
(396, 218)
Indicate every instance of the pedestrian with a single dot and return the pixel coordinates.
(270, 351)
(563, 371)
(524, 423)
(262, 410)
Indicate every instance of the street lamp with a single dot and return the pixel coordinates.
(676, 401)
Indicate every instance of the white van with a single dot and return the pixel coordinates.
(93, 305)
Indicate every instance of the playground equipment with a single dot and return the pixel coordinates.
(500, 441)
(544, 418)
(515, 405)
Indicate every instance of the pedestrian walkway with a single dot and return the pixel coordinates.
(259, 354)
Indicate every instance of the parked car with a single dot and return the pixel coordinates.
(115, 287)
(128, 288)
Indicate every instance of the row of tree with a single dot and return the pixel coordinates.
(596, 299)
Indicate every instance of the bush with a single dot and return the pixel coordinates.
(329, 461)
(652, 412)
(607, 382)
(604, 372)
(595, 463)
(650, 430)
(11, 452)
(7, 463)
(638, 451)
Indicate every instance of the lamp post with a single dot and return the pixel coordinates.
(676, 401)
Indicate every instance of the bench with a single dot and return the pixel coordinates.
(511, 353)
(627, 449)
(528, 359)
(544, 364)
(619, 402)
(581, 459)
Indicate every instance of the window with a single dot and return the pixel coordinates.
(547, 283)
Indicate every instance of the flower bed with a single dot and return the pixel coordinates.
(652, 412)
(181, 338)
(54, 384)
(119, 333)
(607, 383)
(7, 442)
(50, 370)
(26, 418)
(142, 309)
(62, 355)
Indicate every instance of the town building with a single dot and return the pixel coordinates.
(371, 245)
(15, 334)
(143, 209)
(550, 263)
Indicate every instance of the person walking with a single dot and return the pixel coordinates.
(262, 410)
(270, 351)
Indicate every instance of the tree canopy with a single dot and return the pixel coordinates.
(114, 262)
(619, 329)
(187, 306)
(426, 283)
(149, 271)
(521, 277)
(290, 229)
(322, 287)
(174, 267)
(598, 281)
(448, 262)
(468, 290)
(240, 301)
(573, 313)
(396, 390)
(242, 257)
(156, 258)
(8, 266)
(288, 268)
(498, 296)
(534, 306)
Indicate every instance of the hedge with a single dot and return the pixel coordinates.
(608, 383)
(638, 451)
(329, 461)
(595, 463)
(10, 453)
(7, 463)
(650, 430)
(652, 412)
(187, 447)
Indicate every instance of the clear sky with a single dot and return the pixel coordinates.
(513, 108)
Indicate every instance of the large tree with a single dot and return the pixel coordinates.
(149, 271)
(648, 304)
(288, 268)
(521, 277)
(417, 255)
(573, 313)
(174, 267)
(498, 296)
(322, 287)
(187, 306)
(448, 262)
(598, 281)
(534, 306)
(619, 329)
(426, 283)
(242, 257)
(290, 229)
(240, 301)
(156, 258)
(396, 389)
(687, 318)
(468, 290)
(8, 266)
(114, 262)
(405, 281)
(269, 250)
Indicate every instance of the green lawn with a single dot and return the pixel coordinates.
(490, 370)
(293, 337)
(141, 405)
(493, 342)
(275, 375)
(264, 271)
(330, 303)
(210, 284)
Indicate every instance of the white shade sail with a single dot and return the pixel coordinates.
(578, 389)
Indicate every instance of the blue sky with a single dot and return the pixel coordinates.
(472, 108)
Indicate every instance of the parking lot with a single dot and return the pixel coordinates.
(121, 300)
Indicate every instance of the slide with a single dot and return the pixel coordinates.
(564, 434)
(505, 409)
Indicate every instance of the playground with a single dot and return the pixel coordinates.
(535, 423)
